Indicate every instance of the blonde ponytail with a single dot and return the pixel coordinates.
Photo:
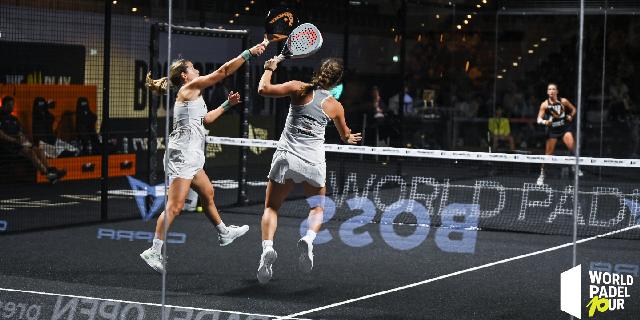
(159, 86)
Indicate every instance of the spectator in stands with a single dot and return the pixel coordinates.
(500, 130)
(375, 113)
(13, 140)
(42, 121)
(377, 106)
(407, 105)
(86, 127)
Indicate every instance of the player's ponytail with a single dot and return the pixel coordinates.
(327, 77)
(160, 86)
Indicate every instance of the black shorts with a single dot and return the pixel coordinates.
(11, 148)
(559, 132)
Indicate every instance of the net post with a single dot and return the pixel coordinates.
(579, 106)
(152, 130)
(244, 129)
(104, 126)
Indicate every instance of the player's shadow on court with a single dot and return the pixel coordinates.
(275, 289)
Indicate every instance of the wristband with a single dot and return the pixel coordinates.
(226, 105)
(540, 121)
(246, 55)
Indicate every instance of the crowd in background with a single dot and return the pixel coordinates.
(464, 93)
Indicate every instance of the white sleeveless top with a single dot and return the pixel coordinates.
(185, 149)
(303, 133)
(189, 113)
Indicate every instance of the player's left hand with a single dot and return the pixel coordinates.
(234, 98)
(257, 50)
(271, 63)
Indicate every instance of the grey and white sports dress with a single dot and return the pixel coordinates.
(300, 152)
(185, 150)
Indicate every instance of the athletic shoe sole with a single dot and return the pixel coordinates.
(153, 266)
(228, 242)
(304, 261)
(265, 271)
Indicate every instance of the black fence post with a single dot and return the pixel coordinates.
(244, 130)
(154, 101)
(104, 126)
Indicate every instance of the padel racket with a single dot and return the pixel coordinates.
(303, 41)
(278, 24)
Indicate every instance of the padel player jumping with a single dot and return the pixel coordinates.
(185, 150)
(299, 157)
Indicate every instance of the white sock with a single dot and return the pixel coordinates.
(222, 229)
(311, 235)
(267, 243)
(157, 245)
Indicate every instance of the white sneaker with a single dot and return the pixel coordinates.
(580, 174)
(234, 232)
(153, 259)
(305, 259)
(540, 180)
(265, 271)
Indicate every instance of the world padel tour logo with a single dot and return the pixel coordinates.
(608, 292)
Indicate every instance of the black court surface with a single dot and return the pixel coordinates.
(93, 271)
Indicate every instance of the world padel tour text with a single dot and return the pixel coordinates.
(608, 291)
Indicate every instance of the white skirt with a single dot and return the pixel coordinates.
(285, 165)
(185, 152)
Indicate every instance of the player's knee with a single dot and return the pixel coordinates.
(175, 207)
(209, 194)
(317, 210)
(271, 206)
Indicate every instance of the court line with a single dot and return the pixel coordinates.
(491, 264)
(140, 303)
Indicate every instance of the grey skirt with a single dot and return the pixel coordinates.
(286, 165)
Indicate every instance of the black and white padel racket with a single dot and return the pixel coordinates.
(278, 24)
(303, 41)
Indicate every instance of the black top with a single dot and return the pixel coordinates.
(556, 113)
(9, 124)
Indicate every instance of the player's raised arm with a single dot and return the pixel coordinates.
(268, 89)
(227, 69)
